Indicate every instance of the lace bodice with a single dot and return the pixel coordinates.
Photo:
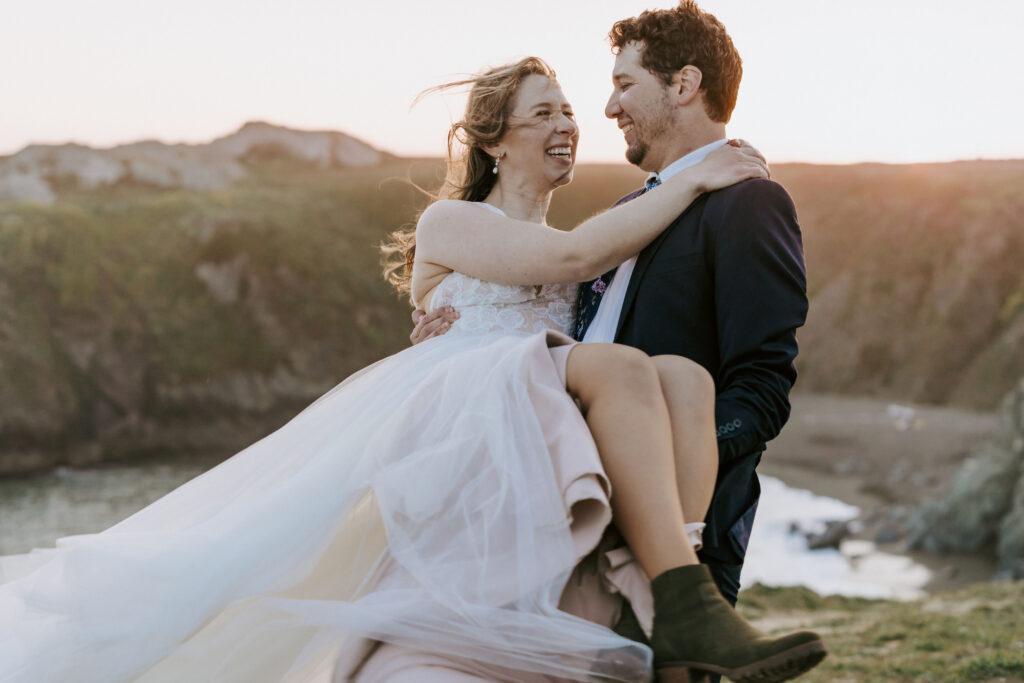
(488, 307)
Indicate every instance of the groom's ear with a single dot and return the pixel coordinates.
(686, 84)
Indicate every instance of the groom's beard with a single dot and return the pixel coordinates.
(636, 152)
(653, 127)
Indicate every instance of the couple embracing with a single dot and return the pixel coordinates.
(499, 502)
(720, 283)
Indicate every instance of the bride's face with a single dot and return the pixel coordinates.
(540, 145)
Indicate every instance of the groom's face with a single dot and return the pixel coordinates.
(641, 105)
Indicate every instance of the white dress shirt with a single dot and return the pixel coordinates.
(606, 320)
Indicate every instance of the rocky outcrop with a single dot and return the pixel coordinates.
(39, 173)
(322, 148)
(984, 507)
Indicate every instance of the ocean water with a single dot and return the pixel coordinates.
(35, 511)
(778, 554)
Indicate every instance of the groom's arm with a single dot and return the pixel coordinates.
(760, 299)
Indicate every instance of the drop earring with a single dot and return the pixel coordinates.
(495, 169)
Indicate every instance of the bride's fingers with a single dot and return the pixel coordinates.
(752, 151)
(748, 153)
(747, 148)
(757, 170)
(755, 157)
(756, 152)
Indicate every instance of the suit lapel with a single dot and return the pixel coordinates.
(642, 261)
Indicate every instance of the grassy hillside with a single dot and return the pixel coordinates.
(974, 634)
(130, 310)
(138, 320)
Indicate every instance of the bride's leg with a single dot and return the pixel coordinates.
(689, 393)
(620, 392)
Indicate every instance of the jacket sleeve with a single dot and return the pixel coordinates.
(760, 301)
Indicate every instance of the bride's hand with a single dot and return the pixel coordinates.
(729, 164)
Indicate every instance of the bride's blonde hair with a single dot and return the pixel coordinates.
(469, 175)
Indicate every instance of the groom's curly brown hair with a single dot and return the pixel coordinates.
(673, 38)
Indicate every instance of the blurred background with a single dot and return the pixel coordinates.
(191, 196)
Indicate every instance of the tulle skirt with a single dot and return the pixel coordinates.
(435, 502)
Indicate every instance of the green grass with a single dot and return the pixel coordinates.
(974, 634)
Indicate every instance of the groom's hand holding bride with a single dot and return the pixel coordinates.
(433, 324)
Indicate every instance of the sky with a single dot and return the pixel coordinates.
(824, 81)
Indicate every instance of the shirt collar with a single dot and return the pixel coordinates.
(691, 159)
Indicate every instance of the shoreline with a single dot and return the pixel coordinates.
(883, 458)
(860, 451)
(949, 572)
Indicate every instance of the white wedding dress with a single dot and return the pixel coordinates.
(432, 505)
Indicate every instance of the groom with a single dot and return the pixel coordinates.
(724, 284)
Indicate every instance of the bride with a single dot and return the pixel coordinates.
(443, 514)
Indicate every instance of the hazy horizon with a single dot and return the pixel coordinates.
(440, 156)
(904, 82)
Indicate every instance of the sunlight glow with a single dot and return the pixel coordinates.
(903, 81)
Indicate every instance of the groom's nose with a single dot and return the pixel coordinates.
(612, 108)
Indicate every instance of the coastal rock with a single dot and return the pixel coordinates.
(87, 168)
(831, 537)
(1010, 548)
(18, 186)
(985, 504)
(39, 173)
(967, 518)
(191, 167)
(322, 148)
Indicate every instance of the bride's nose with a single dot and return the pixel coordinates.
(566, 125)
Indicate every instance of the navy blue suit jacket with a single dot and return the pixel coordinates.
(724, 285)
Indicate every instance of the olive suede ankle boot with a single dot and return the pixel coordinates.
(695, 628)
(628, 626)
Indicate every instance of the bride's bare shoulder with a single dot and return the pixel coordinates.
(446, 212)
(447, 223)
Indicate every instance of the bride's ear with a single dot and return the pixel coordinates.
(493, 150)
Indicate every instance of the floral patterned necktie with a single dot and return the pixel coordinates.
(588, 297)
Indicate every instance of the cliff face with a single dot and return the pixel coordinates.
(916, 276)
(135, 322)
(141, 318)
